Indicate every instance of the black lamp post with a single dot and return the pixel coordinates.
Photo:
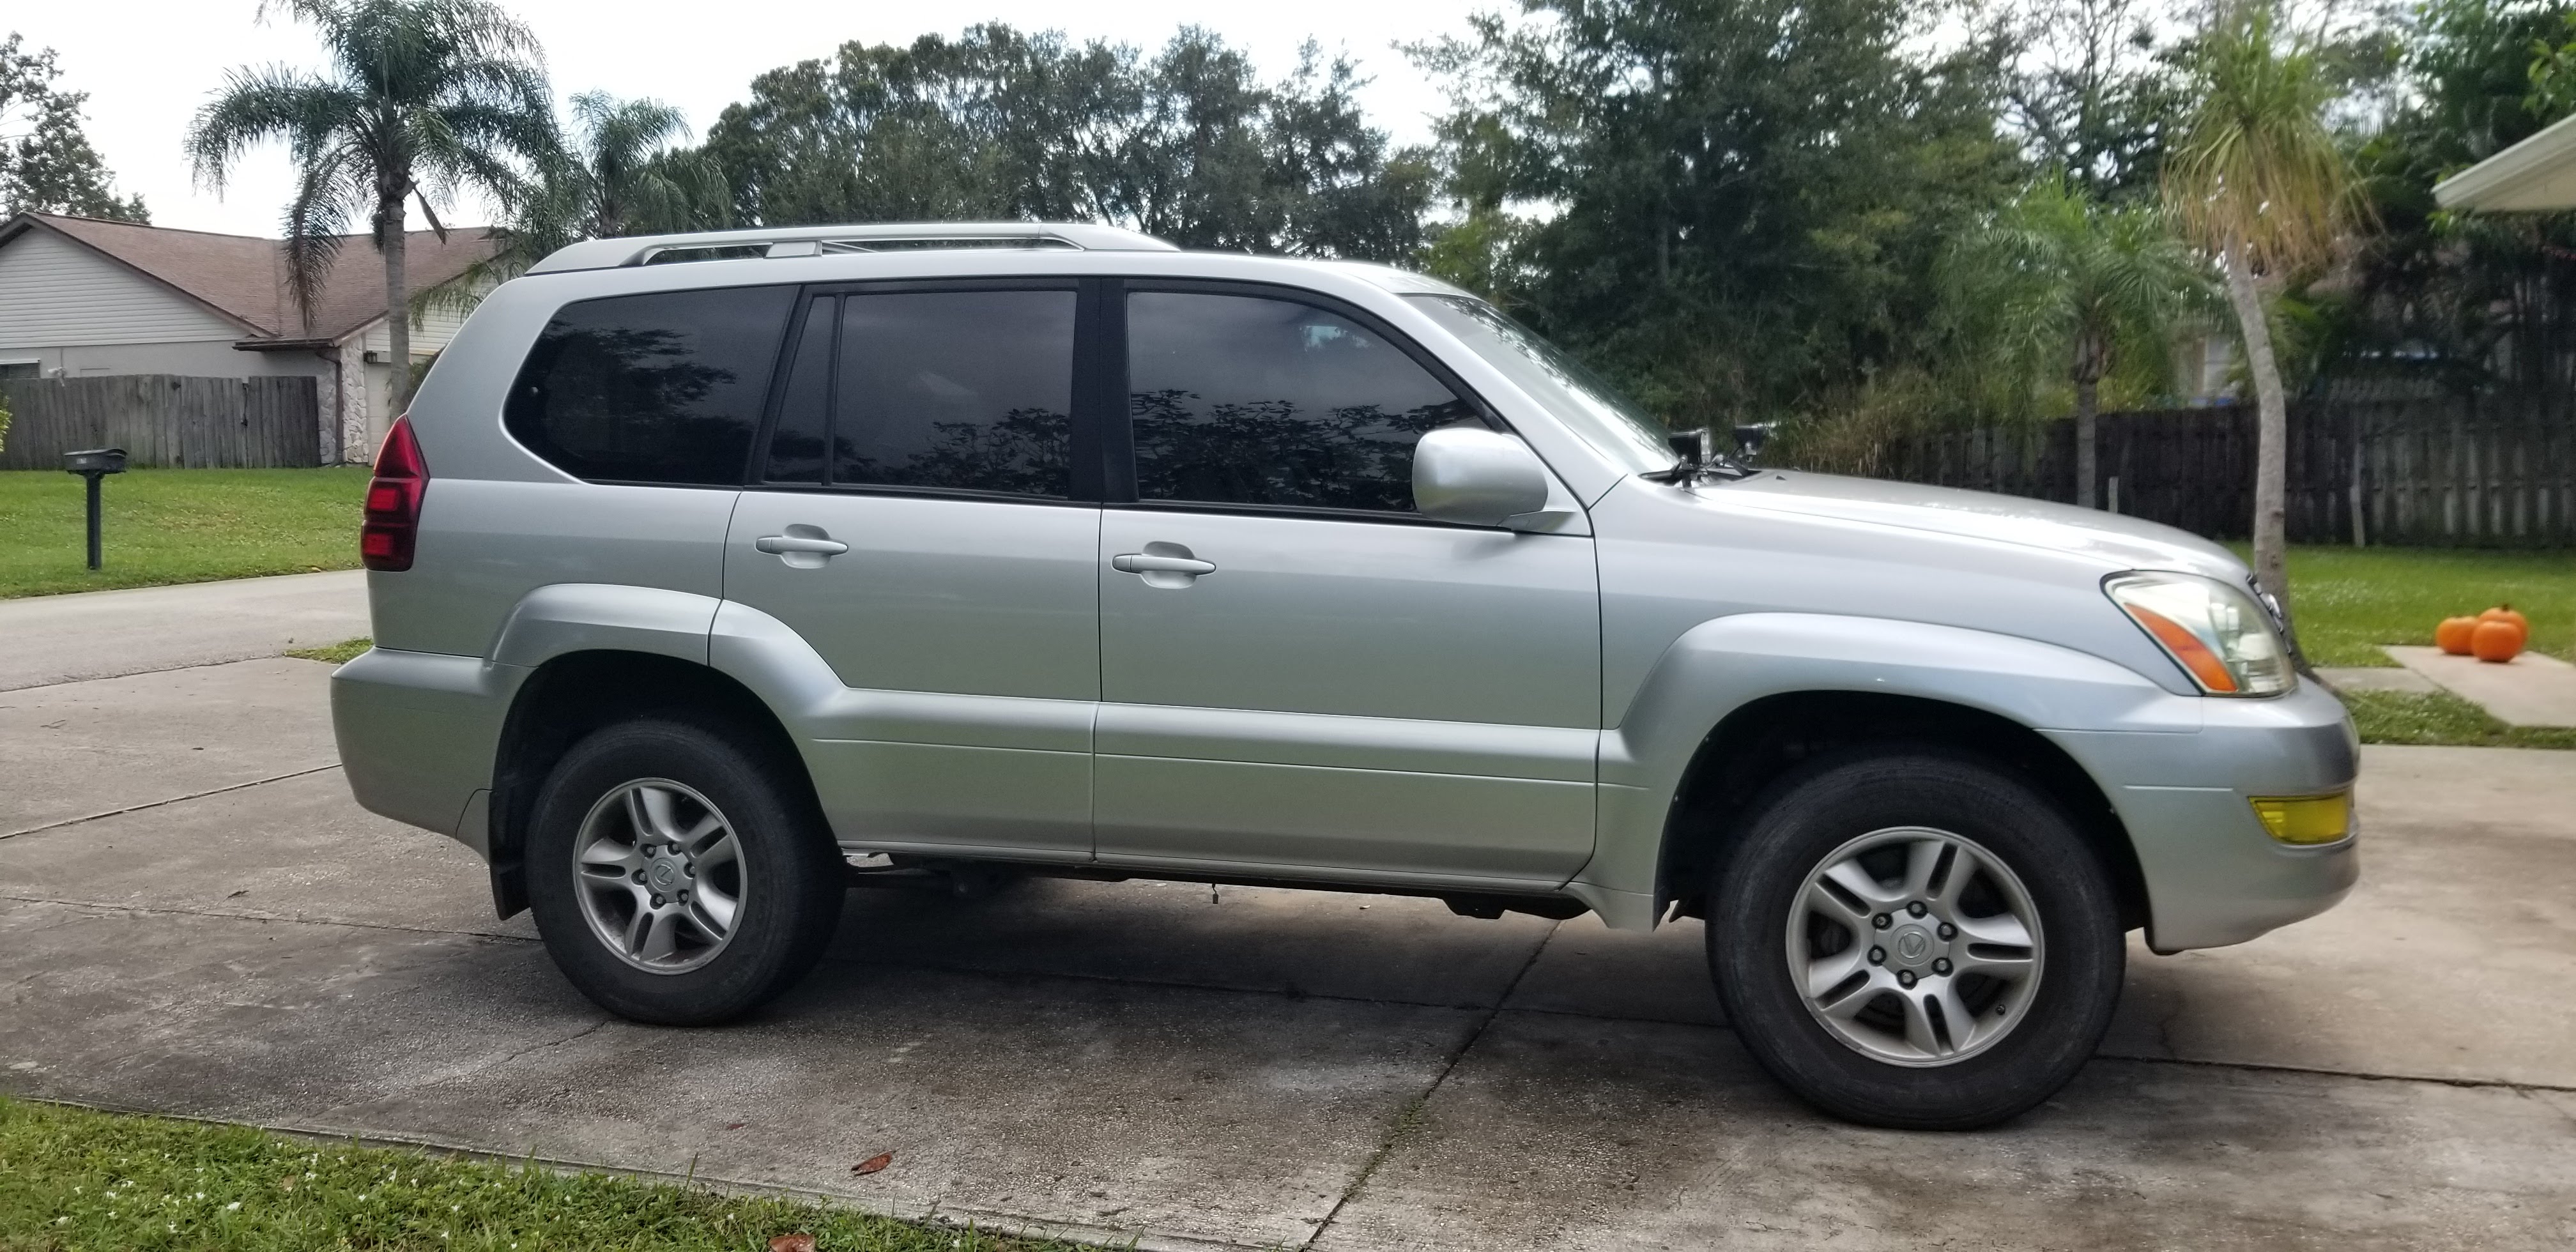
(93, 464)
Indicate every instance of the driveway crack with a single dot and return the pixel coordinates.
(156, 910)
(1410, 1116)
(194, 795)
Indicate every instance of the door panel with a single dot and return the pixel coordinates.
(1289, 820)
(926, 547)
(965, 635)
(1386, 697)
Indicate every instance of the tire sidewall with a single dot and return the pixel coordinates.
(784, 917)
(1818, 809)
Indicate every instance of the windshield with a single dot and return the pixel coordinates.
(1577, 396)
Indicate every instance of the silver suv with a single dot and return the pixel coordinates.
(700, 587)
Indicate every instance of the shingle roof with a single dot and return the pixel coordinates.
(245, 278)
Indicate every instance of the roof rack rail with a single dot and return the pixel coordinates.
(601, 254)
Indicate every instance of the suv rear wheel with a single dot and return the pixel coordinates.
(1915, 939)
(674, 875)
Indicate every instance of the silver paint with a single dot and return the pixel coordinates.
(1369, 703)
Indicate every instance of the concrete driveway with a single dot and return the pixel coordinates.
(195, 919)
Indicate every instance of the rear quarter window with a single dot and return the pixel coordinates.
(659, 388)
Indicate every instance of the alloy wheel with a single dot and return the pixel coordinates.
(1915, 946)
(659, 874)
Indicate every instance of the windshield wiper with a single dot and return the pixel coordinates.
(1700, 458)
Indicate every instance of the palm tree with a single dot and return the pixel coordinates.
(2258, 179)
(2062, 282)
(422, 98)
(619, 176)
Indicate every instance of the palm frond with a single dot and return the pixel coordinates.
(2255, 165)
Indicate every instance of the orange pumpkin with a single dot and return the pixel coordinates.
(2506, 613)
(2452, 635)
(2496, 640)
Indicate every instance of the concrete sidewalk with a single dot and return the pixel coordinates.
(104, 634)
(2530, 690)
(1281, 1069)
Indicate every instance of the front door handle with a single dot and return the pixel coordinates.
(1165, 566)
(783, 544)
(1157, 563)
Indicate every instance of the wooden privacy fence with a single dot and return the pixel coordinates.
(164, 420)
(2489, 471)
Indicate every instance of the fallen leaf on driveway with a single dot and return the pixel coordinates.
(792, 1243)
(873, 1164)
(733, 1125)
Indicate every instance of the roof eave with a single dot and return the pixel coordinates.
(2535, 175)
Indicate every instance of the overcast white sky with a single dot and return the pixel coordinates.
(149, 64)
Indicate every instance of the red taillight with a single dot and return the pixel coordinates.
(393, 501)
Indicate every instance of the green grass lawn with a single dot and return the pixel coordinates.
(72, 1180)
(340, 653)
(2349, 601)
(177, 526)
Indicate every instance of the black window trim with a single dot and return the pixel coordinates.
(1122, 470)
(1086, 421)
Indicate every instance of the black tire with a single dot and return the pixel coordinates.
(789, 870)
(1820, 808)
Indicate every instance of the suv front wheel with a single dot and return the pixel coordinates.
(1916, 940)
(675, 877)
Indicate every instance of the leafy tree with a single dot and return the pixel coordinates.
(2092, 91)
(1733, 207)
(2258, 179)
(51, 167)
(620, 175)
(421, 98)
(1187, 144)
(2062, 284)
(2466, 298)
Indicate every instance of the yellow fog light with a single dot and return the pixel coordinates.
(2306, 819)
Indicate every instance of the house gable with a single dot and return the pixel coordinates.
(57, 293)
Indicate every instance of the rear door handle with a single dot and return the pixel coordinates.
(783, 544)
(1157, 563)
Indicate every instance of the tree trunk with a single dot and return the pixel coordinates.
(391, 241)
(2087, 466)
(2272, 430)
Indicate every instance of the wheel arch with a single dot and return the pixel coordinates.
(574, 693)
(1765, 739)
(1790, 684)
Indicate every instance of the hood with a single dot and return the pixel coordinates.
(2117, 541)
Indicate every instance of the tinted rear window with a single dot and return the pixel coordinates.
(949, 390)
(966, 390)
(660, 388)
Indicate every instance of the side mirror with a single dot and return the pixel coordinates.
(1476, 477)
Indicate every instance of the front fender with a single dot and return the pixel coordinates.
(1726, 663)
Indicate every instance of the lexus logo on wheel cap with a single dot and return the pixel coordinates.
(1913, 945)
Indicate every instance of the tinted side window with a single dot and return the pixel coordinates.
(967, 390)
(1245, 400)
(662, 388)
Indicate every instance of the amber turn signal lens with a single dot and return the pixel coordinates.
(2306, 819)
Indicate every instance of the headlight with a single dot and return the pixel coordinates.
(2216, 633)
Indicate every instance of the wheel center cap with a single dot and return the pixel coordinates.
(665, 873)
(1913, 945)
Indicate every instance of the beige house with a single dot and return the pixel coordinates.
(84, 297)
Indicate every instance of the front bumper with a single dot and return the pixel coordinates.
(2214, 876)
(418, 734)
